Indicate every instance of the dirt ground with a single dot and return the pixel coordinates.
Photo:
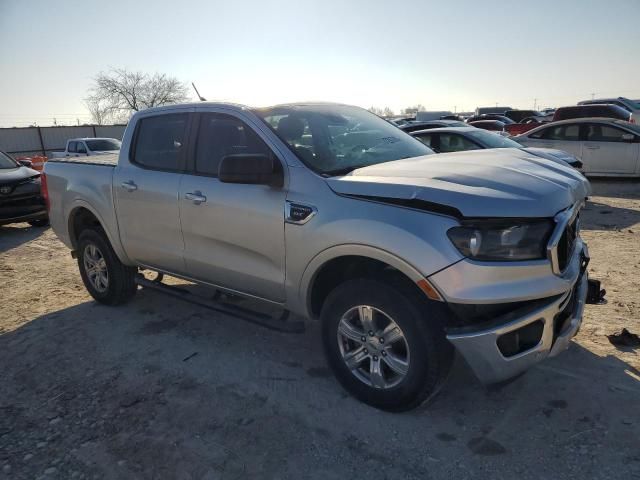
(163, 389)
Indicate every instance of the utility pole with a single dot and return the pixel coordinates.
(55, 123)
(535, 103)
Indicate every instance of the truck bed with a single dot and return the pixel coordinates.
(108, 160)
(81, 182)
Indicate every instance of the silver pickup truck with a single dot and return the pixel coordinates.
(334, 214)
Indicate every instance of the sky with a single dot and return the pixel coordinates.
(444, 55)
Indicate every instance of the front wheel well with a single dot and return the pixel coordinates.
(341, 269)
(81, 219)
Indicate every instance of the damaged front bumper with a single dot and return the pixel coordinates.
(517, 340)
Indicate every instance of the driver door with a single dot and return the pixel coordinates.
(233, 233)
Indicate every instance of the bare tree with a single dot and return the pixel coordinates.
(118, 93)
(387, 112)
(376, 111)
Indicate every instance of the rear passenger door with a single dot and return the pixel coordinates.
(608, 149)
(71, 149)
(146, 187)
(562, 137)
(233, 233)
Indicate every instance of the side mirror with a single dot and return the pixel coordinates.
(250, 168)
(628, 137)
(25, 163)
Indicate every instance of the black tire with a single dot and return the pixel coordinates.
(421, 322)
(41, 222)
(121, 278)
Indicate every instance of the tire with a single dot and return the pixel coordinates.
(95, 250)
(422, 353)
(41, 222)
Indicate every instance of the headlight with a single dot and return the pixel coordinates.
(499, 240)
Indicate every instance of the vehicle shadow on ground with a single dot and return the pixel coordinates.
(12, 236)
(163, 389)
(615, 188)
(597, 216)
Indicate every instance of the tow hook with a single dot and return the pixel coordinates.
(595, 294)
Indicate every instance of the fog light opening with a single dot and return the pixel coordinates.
(521, 340)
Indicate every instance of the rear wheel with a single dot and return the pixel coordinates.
(105, 277)
(384, 346)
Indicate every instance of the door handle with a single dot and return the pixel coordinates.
(196, 197)
(129, 186)
(592, 147)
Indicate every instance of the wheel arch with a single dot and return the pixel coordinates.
(345, 262)
(81, 216)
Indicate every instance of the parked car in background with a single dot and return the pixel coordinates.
(491, 125)
(434, 115)
(632, 106)
(400, 254)
(490, 116)
(519, 115)
(445, 140)
(591, 111)
(606, 147)
(486, 110)
(527, 124)
(414, 126)
(87, 147)
(20, 196)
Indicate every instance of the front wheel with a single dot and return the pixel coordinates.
(385, 346)
(105, 277)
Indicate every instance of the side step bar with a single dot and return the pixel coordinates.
(281, 324)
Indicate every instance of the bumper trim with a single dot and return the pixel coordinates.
(480, 348)
(24, 218)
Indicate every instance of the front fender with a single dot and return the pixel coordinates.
(321, 259)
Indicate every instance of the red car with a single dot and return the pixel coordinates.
(492, 125)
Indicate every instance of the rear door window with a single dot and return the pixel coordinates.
(430, 140)
(160, 142)
(604, 133)
(220, 135)
(450, 142)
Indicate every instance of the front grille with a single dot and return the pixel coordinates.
(566, 244)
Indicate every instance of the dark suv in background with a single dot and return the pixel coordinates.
(587, 111)
(20, 196)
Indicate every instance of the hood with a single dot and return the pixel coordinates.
(505, 182)
(10, 175)
(552, 154)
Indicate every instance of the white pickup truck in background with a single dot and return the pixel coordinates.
(88, 147)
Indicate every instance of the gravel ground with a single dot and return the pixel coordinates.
(163, 389)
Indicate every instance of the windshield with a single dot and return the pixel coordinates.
(6, 161)
(102, 144)
(492, 140)
(336, 139)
